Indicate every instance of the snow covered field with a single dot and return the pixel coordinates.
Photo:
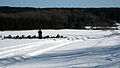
(81, 49)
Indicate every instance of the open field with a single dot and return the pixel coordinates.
(81, 49)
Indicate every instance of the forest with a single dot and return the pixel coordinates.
(29, 18)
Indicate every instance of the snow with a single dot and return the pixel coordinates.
(81, 49)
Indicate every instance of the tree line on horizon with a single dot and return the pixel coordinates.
(28, 18)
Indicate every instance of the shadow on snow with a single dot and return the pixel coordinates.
(101, 56)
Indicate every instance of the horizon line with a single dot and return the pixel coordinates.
(53, 7)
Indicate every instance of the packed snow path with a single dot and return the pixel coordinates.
(19, 49)
(20, 52)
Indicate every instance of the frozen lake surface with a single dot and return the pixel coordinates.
(81, 49)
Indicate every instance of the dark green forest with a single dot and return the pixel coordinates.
(27, 18)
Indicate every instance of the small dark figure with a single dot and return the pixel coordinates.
(20, 37)
(34, 36)
(29, 36)
(10, 36)
(47, 36)
(58, 36)
(61, 36)
(17, 36)
(23, 36)
(40, 34)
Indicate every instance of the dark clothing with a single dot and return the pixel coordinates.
(40, 34)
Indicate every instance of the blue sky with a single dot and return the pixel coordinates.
(60, 3)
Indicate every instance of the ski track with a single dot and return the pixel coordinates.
(14, 55)
(13, 47)
(15, 50)
(98, 57)
(51, 48)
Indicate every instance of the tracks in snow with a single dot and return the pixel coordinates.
(15, 54)
(39, 52)
(33, 49)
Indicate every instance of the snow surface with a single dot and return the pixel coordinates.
(81, 49)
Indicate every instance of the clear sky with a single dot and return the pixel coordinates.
(60, 3)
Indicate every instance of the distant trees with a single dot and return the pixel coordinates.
(18, 18)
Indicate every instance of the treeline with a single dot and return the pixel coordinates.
(26, 18)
